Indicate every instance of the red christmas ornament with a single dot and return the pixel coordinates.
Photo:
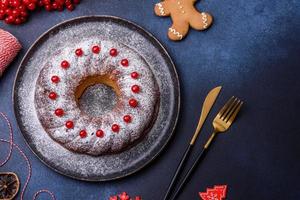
(55, 79)
(100, 133)
(65, 64)
(113, 52)
(133, 103)
(79, 52)
(135, 89)
(125, 62)
(59, 112)
(127, 118)
(115, 128)
(134, 75)
(69, 124)
(96, 49)
(83, 133)
(216, 193)
(52, 95)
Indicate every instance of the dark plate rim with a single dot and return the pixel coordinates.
(154, 39)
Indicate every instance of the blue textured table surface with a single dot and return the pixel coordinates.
(252, 50)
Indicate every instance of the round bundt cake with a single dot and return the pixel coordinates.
(67, 75)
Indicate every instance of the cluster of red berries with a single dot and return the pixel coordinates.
(124, 196)
(17, 11)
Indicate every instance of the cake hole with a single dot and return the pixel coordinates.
(97, 95)
(97, 100)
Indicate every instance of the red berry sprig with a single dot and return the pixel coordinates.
(17, 11)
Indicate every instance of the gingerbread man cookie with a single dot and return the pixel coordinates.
(183, 14)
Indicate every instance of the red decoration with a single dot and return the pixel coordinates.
(113, 52)
(134, 75)
(59, 112)
(52, 95)
(96, 49)
(216, 193)
(65, 64)
(124, 62)
(124, 196)
(79, 52)
(115, 128)
(127, 118)
(83, 133)
(100, 133)
(135, 88)
(17, 11)
(133, 103)
(55, 79)
(69, 124)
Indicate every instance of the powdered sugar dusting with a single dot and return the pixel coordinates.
(83, 166)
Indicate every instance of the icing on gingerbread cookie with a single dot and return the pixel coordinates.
(184, 15)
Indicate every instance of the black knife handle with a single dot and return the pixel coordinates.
(178, 171)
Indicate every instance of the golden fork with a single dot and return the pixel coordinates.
(221, 123)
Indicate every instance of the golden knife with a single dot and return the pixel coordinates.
(207, 105)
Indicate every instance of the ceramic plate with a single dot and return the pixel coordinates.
(108, 167)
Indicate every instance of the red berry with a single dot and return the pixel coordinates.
(16, 3)
(55, 79)
(8, 12)
(138, 198)
(48, 7)
(22, 8)
(68, 2)
(18, 21)
(60, 8)
(40, 3)
(59, 112)
(52, 95)
(23, 19)
(4, 2)
(16, 13)
(135, 89)
(31, 6)
(70, 7)
(100, 133)
(76, 1)
(124, 62)
(127, 118)
(134, 75)
(65, 64)
(10, 19)
(79, 52)
(2, 16)
(113, 52)
(2, 12)
(69, 124)
(83, 133)
(133, 103)
(54, 5)
(46, 2)
(23, 13)
(115, 128)
(26, 2)
(96, 49)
